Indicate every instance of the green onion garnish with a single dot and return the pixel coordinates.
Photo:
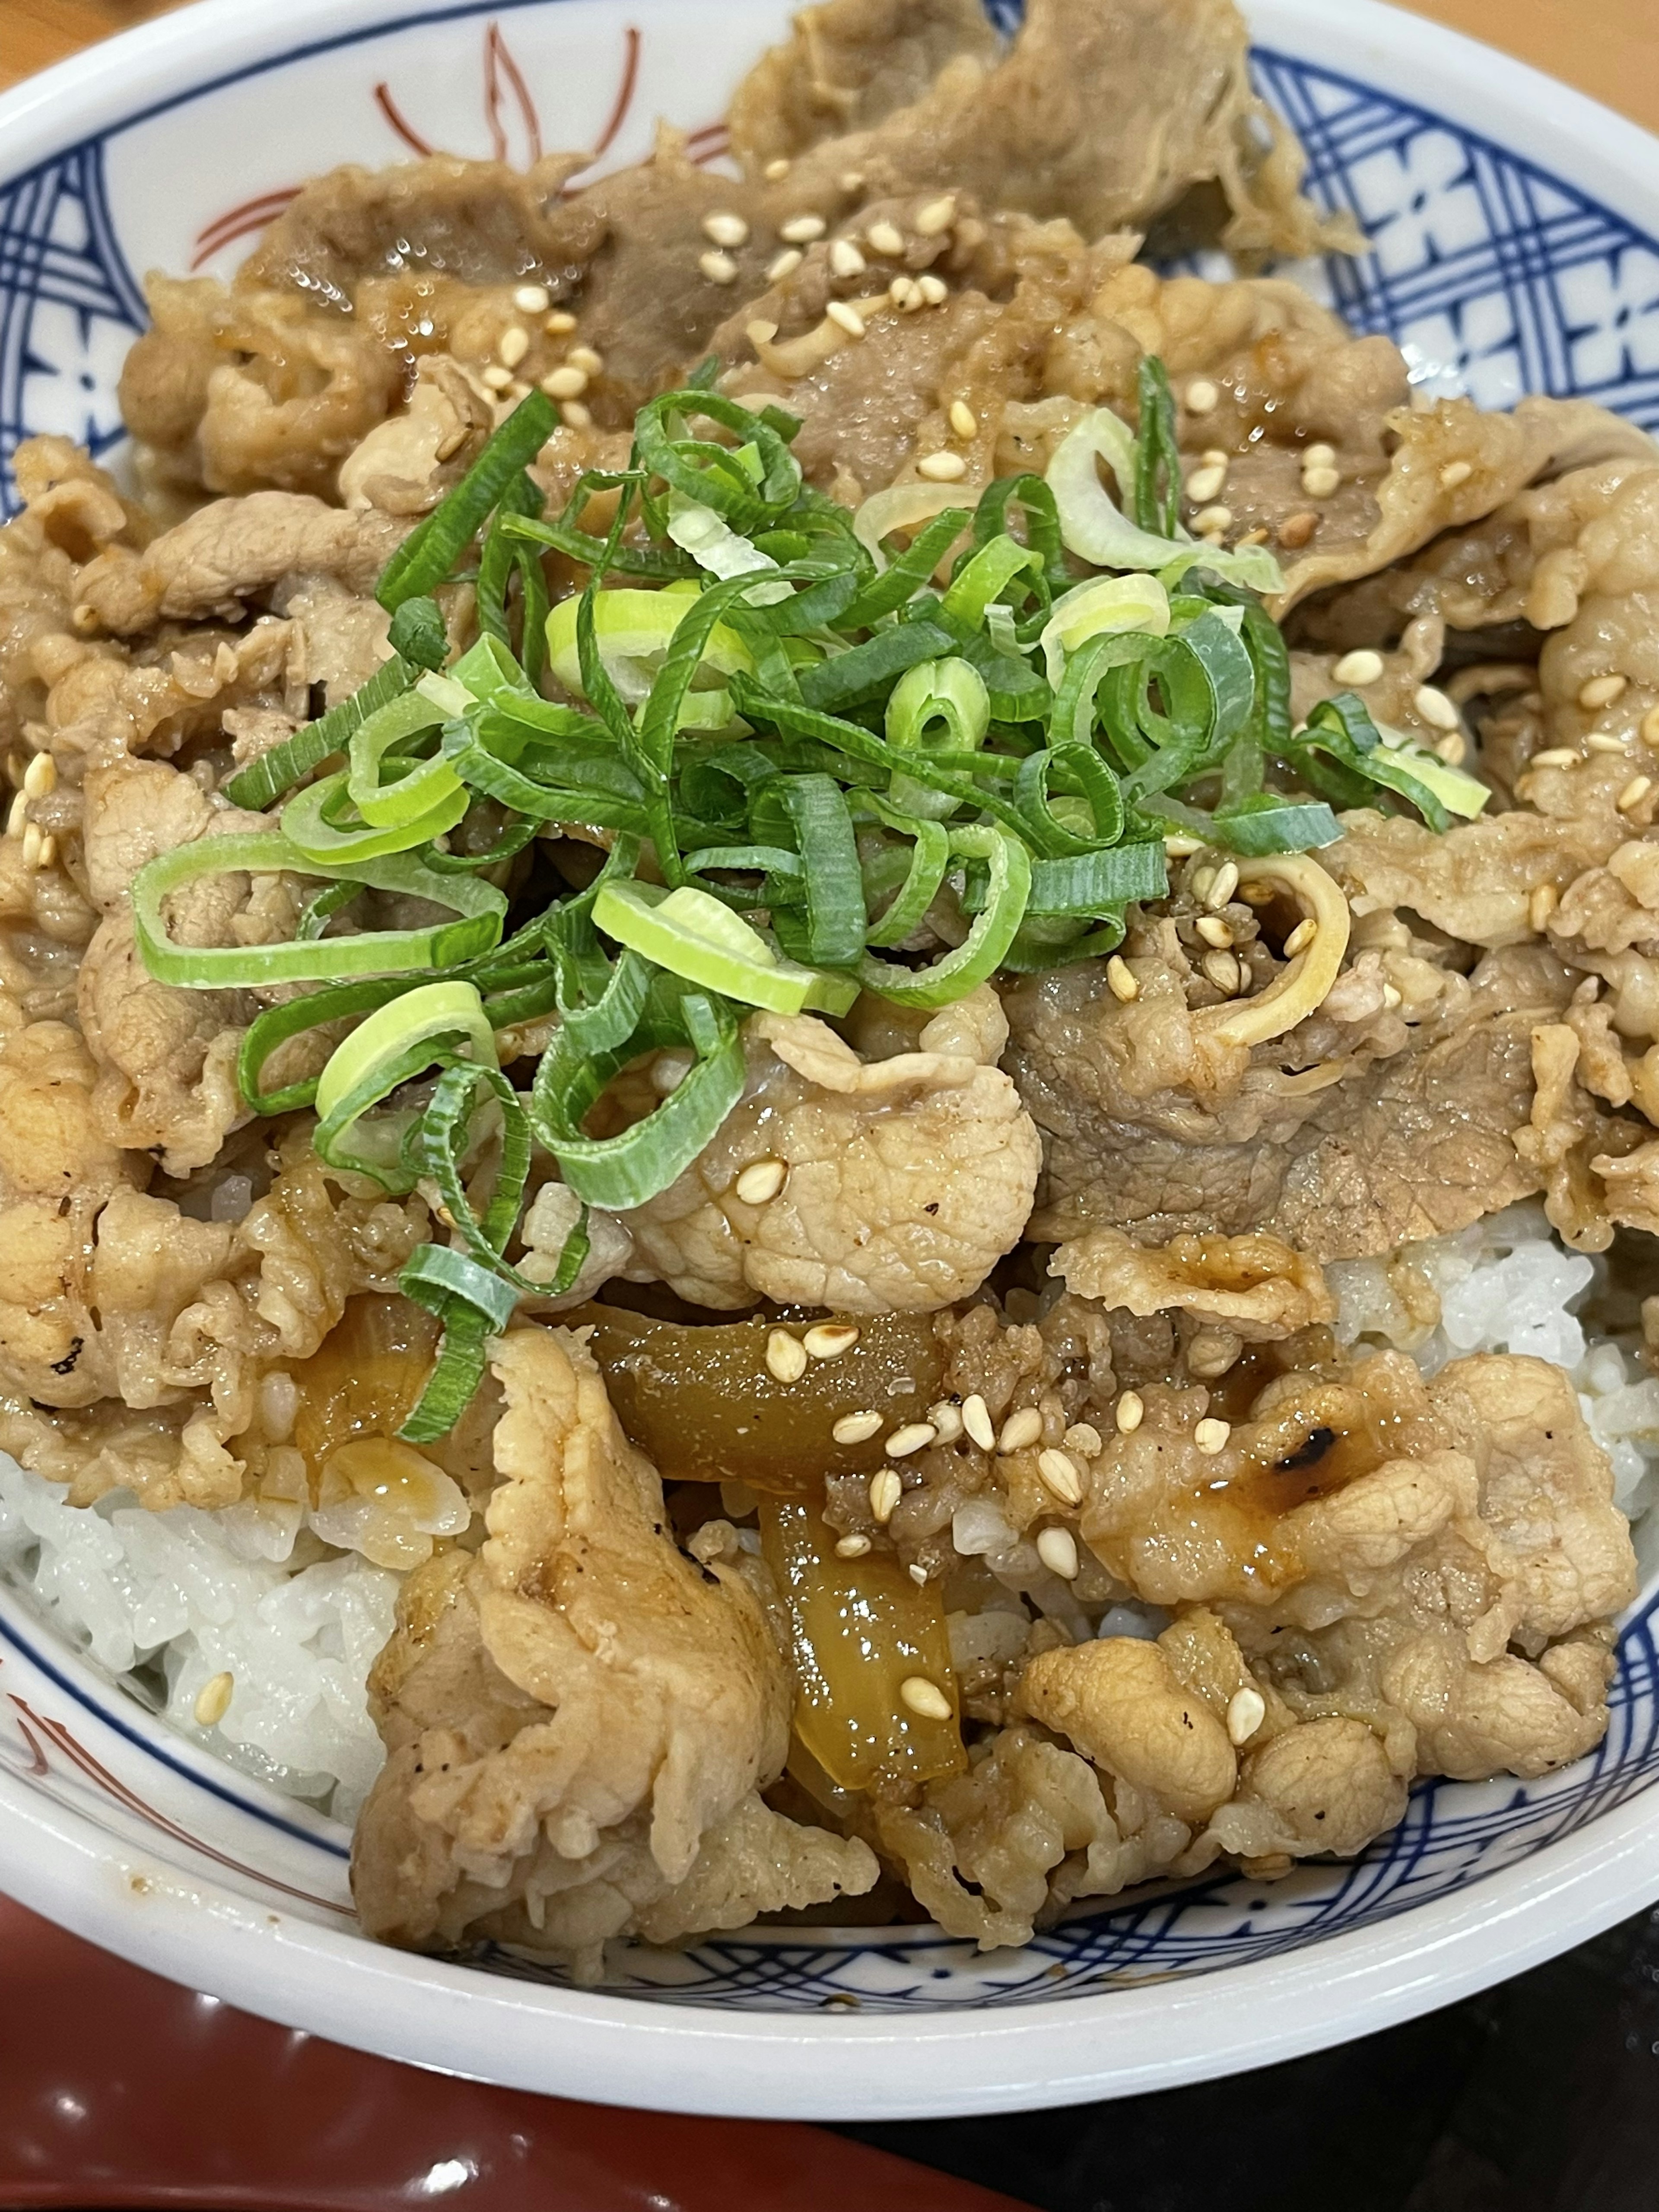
(802, 739)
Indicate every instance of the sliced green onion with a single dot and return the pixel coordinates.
(1157, 459)
(1104, 605)
(278, 770)
(417, 632)
(984, 577)
(979, 954)
(624, 1170)
(478, 908)
(923, 875)
(1095, 528)
(431, 549)
(848, 679)
(1267, 823)
(384, 1051)
(692, 934)
(311, 823)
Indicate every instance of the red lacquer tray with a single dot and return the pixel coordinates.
(118, 2089)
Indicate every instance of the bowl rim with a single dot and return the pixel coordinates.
(685, 2056)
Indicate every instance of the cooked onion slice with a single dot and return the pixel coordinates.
(1294, 995)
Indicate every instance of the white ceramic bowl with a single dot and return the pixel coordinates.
(1513, 228)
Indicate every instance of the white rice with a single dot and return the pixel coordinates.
(1509, 1284)
(164, 1602)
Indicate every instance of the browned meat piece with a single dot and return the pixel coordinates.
(849, 65)
(1343, 1152)
(1104, 111)
(907, 1177)
(230, 553)
(1255, 1288)
(578, 1719)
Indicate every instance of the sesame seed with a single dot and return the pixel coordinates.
(917, 1573)
(1542, 905)
(1083, 1439)
(1301, 937)
(760, 332)
(1216, 457)
(723, 227)
(802, 229)
(885, 1491)
(851, 180)
(1214, 931)
(938, 215)
(1359, 668)
(946, 1417)
(1602, 691)
(904, 292)
(1555, 757)
(719, 268)
(1020, 1431)
(933, 290)
(914, 1437)
(1319, 457)
(1455, 473)
(1320, 483)
(925, 1698)
(560, 322)
(775, 170)
(1246, 1710)
(1120, 979)
(759, 1184)
(963, 420)
(514, 345)
(1296, 530)
(1435, 708)
(786, 1356)
(1180, 846)
(846, 317)
(565, 383)
(845, 260)
(828, 1339)
(48, 852)
(1057, 1549)
(213, 1700)
(942, 468)
(1059, 1472)
(1632, 794)
(1131, 1412)
(1223, 884)
(1203, 484)
(1392, 997)
(885, 237)
(495, 377)
(852, 1547)
(517, 390)
(1650, 728)
(1211, 521)
(1211, 1436)
(784, 264)
(1603, 741)
(583, 356)
(1223, 971)
(1203, 398)
(754, 401)
(856, 1428)
(976, 1420)
(1452, 749)
(531, 299)
(40, 776)
(578, 416)
(32, 840)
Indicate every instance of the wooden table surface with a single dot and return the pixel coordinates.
(1608, 47)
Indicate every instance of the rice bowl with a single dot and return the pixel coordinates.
(146, 1588)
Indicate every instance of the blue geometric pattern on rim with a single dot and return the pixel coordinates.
(1494, 277)
(68, 309)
